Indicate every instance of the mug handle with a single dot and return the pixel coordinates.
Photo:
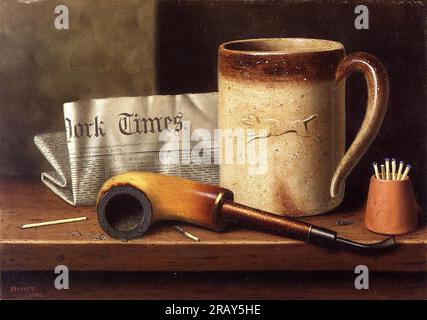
(378, 91)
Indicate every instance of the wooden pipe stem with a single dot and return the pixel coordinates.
(241, 214)
(250, 217)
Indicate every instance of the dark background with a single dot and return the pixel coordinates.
(190, 32)
(127, 48)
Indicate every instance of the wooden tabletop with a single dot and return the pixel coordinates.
(83, 246)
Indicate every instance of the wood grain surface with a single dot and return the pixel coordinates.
(214, 285)
(83, 246)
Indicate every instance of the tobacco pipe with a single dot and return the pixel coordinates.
(130, 202)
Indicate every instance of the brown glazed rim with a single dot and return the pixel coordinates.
(269, 60)
(324, 46)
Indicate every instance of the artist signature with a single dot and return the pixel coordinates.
(32, 292)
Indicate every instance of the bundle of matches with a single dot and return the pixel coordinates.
(387, 173)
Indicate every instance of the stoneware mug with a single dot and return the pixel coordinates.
(294, 89)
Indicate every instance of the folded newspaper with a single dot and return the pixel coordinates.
(104, 137)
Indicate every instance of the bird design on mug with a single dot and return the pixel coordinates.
(276, 128)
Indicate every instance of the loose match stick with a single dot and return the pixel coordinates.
(393, 168)
(405, 173)
(186, 234)
(382, 172)
(377, 174)
(399, 171)
(49, 223)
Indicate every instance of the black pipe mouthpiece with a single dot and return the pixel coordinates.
(327, 238)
